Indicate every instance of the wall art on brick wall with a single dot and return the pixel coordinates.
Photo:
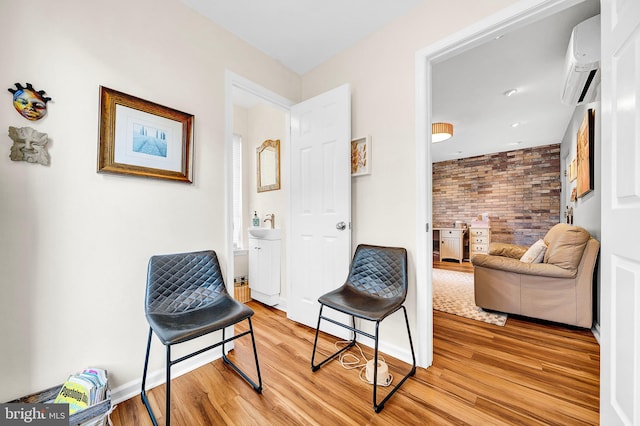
(361, 156)
(585, 155)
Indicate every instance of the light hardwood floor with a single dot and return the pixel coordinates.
(525, 373)
(453, 265)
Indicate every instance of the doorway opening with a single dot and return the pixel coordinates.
(492, 27)
(252, 113)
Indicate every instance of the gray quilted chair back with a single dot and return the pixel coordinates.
(381, 271)
(183, 282)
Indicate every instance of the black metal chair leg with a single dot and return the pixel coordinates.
(167, 414)
(146, 362)
(143, 393)
(315, 341)
(256, 386)
(255, 355)
(378, 407)
(375, 370)
(413, 354)
(316, 367)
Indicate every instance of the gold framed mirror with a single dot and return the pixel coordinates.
(268, 165)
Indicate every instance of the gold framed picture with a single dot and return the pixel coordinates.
(142, 138)
(585, 173)
(573, 170)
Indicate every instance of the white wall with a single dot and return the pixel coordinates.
(75, 244)
(586, 210)
(380, 70)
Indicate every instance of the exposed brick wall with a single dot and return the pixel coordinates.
(519, 189)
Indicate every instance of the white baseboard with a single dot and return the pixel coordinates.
(403, 354)
(157, 377)
(400, 352)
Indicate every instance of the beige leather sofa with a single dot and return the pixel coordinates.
(558, 289)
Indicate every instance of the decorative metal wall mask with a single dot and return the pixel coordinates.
(29, 145)
(29, 102)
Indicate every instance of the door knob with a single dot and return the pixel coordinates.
(341, 226)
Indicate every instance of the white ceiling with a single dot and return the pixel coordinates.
(467, 89)
(302, 34)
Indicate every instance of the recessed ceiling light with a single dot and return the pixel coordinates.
(514, 143)
(510, 92)
(516, 124)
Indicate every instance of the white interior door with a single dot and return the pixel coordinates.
(320, 218)
(620, 256)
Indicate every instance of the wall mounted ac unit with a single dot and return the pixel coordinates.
(582, 63)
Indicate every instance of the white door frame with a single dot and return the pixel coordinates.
(508, 19)
(235, 81)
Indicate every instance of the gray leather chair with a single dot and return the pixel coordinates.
(375, 288)
(186, 298)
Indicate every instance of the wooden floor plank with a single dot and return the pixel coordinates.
(527, 372)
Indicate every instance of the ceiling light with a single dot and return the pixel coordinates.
(515, 124)
(511, 92)
(441, 131)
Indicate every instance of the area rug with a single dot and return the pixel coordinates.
(453, 293)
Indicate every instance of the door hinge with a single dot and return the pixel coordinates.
(427, 230)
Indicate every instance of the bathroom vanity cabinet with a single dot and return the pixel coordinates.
(264, 269)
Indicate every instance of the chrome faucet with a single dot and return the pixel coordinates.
(271, 218)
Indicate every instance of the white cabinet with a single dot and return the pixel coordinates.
(479, 240)
(264, 270)
(451, 243)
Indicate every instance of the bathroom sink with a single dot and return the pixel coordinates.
(265, 233)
